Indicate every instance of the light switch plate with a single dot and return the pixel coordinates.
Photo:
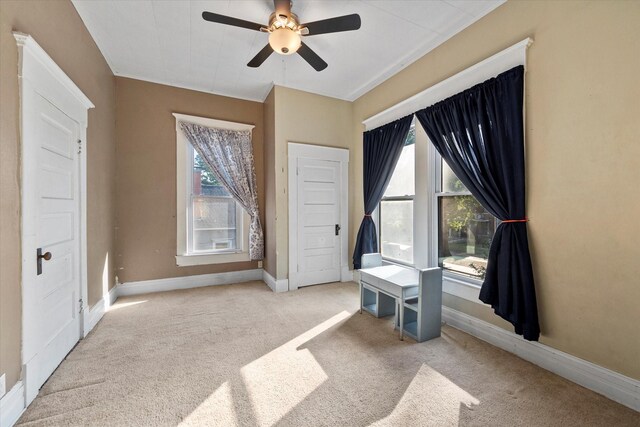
(3, 385)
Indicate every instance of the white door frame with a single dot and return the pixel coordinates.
(317, 152)
(38, 73)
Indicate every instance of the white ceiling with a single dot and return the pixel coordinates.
(167, 41)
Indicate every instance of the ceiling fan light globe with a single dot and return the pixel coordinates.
(284, 41)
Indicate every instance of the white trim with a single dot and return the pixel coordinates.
(309, 151)
(461, 289)
(281, 285)
(220, 258)
(95, 314)
(12, 405)
(212, 123)
(188, 282)
(484, 70)
(604, 381)
(39, 74)
(98, 310)
(321, 152)
(27, 45)
(113, 296)
(184, 159)
(346, 275)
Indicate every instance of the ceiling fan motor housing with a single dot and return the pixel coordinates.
(284, 33)
(284, 41)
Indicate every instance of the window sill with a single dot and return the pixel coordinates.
(461, 287)
(222, 258)
(452, 284)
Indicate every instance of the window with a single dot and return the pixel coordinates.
(439, 224)
(214, 214)
(465, 228)
(449, 227)
(396, 207)
(211, 226)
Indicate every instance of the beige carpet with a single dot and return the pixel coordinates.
(242, 355)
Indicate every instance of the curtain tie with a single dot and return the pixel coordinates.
(367, 215)
(517, 220)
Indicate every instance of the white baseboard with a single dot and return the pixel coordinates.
(281, 285)
(604, 381)
(93, 316)
(113, 295)
(12, 405)
(346, 275)
(97, 311)
(187, 282)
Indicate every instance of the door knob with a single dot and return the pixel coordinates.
(46, 256)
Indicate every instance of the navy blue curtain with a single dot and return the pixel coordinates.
(480, 134)
(382, 147)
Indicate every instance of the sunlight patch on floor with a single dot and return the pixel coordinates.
(430, 396)
(278, 381)
(120, 305)
(217, 409)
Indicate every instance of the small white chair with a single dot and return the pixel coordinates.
(371, 260)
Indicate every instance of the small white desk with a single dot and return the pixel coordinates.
(394, 281)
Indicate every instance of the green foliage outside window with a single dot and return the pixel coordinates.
(206, 176)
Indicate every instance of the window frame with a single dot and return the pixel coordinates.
(437, 193)
(377, 214)
(425, 221)
(457, 284)
(241, 241)
(184, 186)
(425, 241)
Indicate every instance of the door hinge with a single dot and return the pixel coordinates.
(297, 171)
(81, 306)
(79, 146)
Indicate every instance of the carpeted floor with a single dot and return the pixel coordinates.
(242, 355)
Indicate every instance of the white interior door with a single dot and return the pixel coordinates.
(51, 222)
(318, 233)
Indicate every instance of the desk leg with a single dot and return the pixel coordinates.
(361, 296)
(401, 316)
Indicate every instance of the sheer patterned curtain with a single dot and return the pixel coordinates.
(230, 156)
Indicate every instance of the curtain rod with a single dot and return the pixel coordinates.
(477, 73)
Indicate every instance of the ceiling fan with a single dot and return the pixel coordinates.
(285, 32)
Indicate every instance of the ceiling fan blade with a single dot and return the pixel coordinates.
(312, 58)
(228, 20)
(334, 25)
(261, 57)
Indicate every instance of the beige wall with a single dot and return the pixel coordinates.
(270, 183)
(310, 119)
(146, 174)
(72, 48)
(582, 133)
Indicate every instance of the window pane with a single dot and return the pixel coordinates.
(396, 229)
(214, 223)
(450, 182)
(465, 230)
(204, 182)
(403, 182)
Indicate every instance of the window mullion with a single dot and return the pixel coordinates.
(189, 201)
